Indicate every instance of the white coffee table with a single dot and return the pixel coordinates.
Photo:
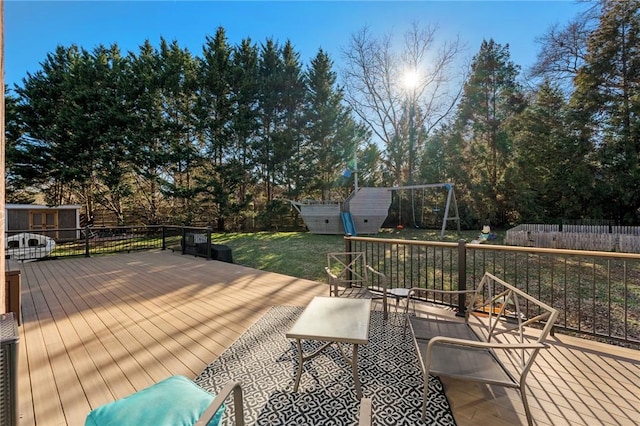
(333, 320)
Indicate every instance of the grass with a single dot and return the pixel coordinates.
(298, 254)
(302, 254)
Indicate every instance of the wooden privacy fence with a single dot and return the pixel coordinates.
(624, 239)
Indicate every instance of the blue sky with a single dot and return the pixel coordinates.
(35, 28)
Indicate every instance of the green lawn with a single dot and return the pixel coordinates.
(302, 254)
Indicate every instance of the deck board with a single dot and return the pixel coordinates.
(97, 329)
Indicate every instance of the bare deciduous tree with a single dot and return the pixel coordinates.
(401, 115)
(563, 48)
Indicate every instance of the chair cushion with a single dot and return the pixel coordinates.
(175, 401)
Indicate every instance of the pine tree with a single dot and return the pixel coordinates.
(215, 110)
(107, 124)
(291, 136)
(46, 147)
(245, 86)
(605, 99)
(245, 94)
(18, 190)
(182, 141)
(490, 98)
(331, 130)
(146, 132)
(270, 106)
(215, 113)
(550, 179)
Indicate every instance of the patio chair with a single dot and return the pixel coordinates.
(170, 402)
(351, 276)
(492, 345)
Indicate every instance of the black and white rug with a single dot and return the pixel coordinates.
(265, 362)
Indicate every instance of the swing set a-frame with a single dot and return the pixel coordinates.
(450, 204)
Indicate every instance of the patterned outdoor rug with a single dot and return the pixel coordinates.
(265, 362)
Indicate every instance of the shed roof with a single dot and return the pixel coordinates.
(41, 207)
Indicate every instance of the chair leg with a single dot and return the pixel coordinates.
(526, 405)
(425, 401)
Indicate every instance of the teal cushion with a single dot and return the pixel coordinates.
(175, 401)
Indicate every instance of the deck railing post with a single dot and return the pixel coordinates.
(209, 257)
(184, 240)
(164, 237)
(87, 231)
(462, 276)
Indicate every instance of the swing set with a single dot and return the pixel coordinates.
(450, 203)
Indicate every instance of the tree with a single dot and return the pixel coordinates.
(490, 98)
(290, 140)
(106, 117)
(214, 103)
(220, 184)
(551, 178)
(370, 169)
(245, 91)
(433, 163)
(75, 114)
(563, 49)
(18, 190)
(146, 132)
(606, 97)
(181, 139)
(269, 101)
(45, 149)
(215, 114)
(397, 93)
(245, 84)
(330, 130)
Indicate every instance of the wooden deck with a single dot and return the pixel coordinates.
(97, 329)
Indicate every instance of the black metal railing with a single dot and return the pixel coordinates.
(597, 293)
(90, 241)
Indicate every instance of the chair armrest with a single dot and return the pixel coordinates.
(487, 345)
(333, 282)
(382, 276)
(215, 405)
(414, 290)
(331, 274)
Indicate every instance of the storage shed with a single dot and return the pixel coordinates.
(62, 223)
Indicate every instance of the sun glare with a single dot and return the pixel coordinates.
(410, 79)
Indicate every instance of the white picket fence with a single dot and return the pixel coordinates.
(624, 239)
